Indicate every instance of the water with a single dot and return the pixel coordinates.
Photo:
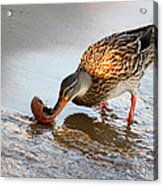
(37, 53)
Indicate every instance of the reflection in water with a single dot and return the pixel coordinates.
(93, 139)
(90, 136)
(98, 131)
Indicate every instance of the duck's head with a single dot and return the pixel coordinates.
(74, 85)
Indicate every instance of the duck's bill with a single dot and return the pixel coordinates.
(59, 106)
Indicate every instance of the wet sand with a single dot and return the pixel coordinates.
(40, 46)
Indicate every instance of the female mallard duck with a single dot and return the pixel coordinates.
(107, 69)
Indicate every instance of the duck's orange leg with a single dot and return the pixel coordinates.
(104, 106)
(132, 109)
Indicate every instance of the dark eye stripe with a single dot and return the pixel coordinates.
(65, 92)
(69, 88)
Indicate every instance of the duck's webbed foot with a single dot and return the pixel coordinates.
(104, 106)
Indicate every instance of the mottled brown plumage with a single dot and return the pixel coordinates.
(117, 63)
(108, 68)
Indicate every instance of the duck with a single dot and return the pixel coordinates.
(108, 68)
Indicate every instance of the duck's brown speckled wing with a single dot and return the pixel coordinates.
(110, 56)
(114, 56)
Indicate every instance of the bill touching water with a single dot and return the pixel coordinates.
(41, 45)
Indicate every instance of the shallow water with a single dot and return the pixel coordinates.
(37, 53)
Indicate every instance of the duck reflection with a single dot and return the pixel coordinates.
(102, 132)
(96, 140)
(93, 138)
